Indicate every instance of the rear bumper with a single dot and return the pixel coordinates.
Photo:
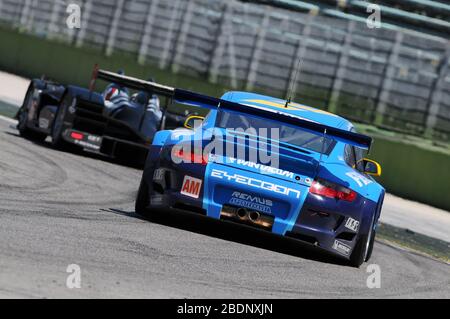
(331, 225)
(106, 145)
(326, 241)
(323, 240)
(101, 134)
(339, 242)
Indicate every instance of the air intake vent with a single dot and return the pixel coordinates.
(346, 236)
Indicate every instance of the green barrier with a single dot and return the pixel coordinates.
(413, 172)
(30, 56)
(409, 171)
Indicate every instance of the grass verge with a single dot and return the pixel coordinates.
(418, 243)
(7, 109)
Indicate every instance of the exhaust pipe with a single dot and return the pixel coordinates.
(241, 213)
(254, 216)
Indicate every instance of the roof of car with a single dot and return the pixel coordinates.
(295, 109)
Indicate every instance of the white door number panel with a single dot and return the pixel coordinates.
(352, 224)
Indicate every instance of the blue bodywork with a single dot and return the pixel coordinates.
(283, 194)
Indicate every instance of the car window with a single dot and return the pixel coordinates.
(359, 154)
(349, 155)
(286, 134)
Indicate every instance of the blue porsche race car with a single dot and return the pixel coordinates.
(283, 167)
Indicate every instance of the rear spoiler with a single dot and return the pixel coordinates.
(204, 101)
(347, 137)
(130, 82)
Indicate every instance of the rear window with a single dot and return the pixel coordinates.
(287, 134)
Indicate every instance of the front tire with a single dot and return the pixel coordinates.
(22, 119)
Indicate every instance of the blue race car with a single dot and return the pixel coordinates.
(308, 179)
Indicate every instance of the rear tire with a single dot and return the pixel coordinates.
(143, 200)
(363, 249)
(22, 117)
(371, 243)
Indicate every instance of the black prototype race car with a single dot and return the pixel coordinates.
(111, 123)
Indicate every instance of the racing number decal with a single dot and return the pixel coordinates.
(191, 186)
(352, 224)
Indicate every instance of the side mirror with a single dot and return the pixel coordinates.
(193, 121)
(371, 167)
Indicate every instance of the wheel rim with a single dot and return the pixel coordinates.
(369, 239)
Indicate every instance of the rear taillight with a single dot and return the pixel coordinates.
(189, 157)
(330, 190)
(76, 136)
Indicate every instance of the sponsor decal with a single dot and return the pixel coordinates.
(256, 183)
(359, 179)
(252, 202)
(352, 224)
(158, 175)
(84, 140)
(282, 105)
(191, 186)
(94, 138)
(263, 169)
(156, 199)
(86, 144)
(341, 248)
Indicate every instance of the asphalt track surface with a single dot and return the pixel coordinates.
(59, 208)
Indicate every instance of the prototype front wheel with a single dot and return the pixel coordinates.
(23, 116)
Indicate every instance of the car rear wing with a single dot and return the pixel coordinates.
(347, 137)
(204, 101)
(130, 82)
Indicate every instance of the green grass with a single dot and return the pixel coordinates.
(419, 243)
(422, 142)
(7, 109)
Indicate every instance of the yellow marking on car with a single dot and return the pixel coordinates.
(291, 106)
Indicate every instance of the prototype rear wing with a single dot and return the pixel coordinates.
(204, 101)
(130, 82)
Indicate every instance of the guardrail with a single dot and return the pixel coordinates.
(395, 79)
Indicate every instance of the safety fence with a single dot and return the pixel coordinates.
(392, 78)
